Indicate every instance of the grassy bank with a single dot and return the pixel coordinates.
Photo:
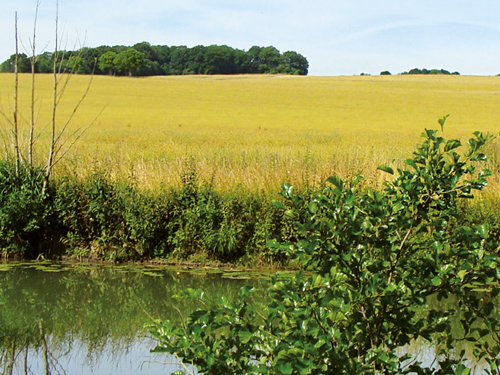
(98, 217)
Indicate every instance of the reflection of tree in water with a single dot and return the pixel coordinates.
(46, 354)
(19, 348)
(98, 311)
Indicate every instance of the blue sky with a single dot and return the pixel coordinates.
(337, 37)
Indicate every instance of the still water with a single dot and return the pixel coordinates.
(89, 319)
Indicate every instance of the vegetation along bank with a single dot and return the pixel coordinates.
(389, 268)
(106, 218)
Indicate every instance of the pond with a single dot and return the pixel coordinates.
(81, 319)
(58, 318)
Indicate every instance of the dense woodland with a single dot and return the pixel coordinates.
(143, 59)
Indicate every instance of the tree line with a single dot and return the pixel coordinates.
(143, 59)
(423, 71)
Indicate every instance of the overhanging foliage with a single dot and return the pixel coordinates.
(377, 257)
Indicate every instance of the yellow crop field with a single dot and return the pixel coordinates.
(257, 131)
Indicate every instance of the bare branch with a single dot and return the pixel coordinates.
(61, 138)
(33, 65)
(50, 159)
(17, 153)
(75, 109)
(61, 143)
(76, 135)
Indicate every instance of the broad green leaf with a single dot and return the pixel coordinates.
(430, 134)
(482, 230)
(286, 369)
(411, 163)
(279, 205)
(442, 120)
(397, 207)
(312, 207)
(461, 274)
(473, 144)
(245, 336)
(385, 168)
(479, 157)
(452, 144)
(436, 281)
(485, 173)
(336, 181)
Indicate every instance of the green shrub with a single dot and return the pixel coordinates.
(110, 220)
(145, 220)
(27, 223)
(117, 221)
(91, 215)
(376, 257)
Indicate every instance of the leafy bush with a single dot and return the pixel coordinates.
(110, 220)
(229, 227)
(26, 216)
(221, 226)
(116, 221)
(377, 258)
(91, 215)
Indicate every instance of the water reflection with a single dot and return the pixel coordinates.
(63, 319)
(63, 358)
(81, 319)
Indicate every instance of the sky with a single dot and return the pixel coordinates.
(347, 37)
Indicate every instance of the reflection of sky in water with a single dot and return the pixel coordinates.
(425, 353)
(132, 356)
(114, 358)
(93, 318)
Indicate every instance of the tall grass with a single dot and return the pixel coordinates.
(258, 131)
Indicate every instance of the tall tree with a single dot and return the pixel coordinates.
(178, 59)
(196, 63)
(254, 60)
(129, 60)
(107, 62)
(146, 49)
(23, 64)
(295, 63)
(220, 60)
(44, 63)
(75, 64)
(270, 59)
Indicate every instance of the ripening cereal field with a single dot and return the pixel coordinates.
(258, 131)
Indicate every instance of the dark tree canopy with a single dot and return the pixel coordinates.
(23, 64)
(143, 59)
(432, 71)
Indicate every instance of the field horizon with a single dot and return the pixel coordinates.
(258, 131)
